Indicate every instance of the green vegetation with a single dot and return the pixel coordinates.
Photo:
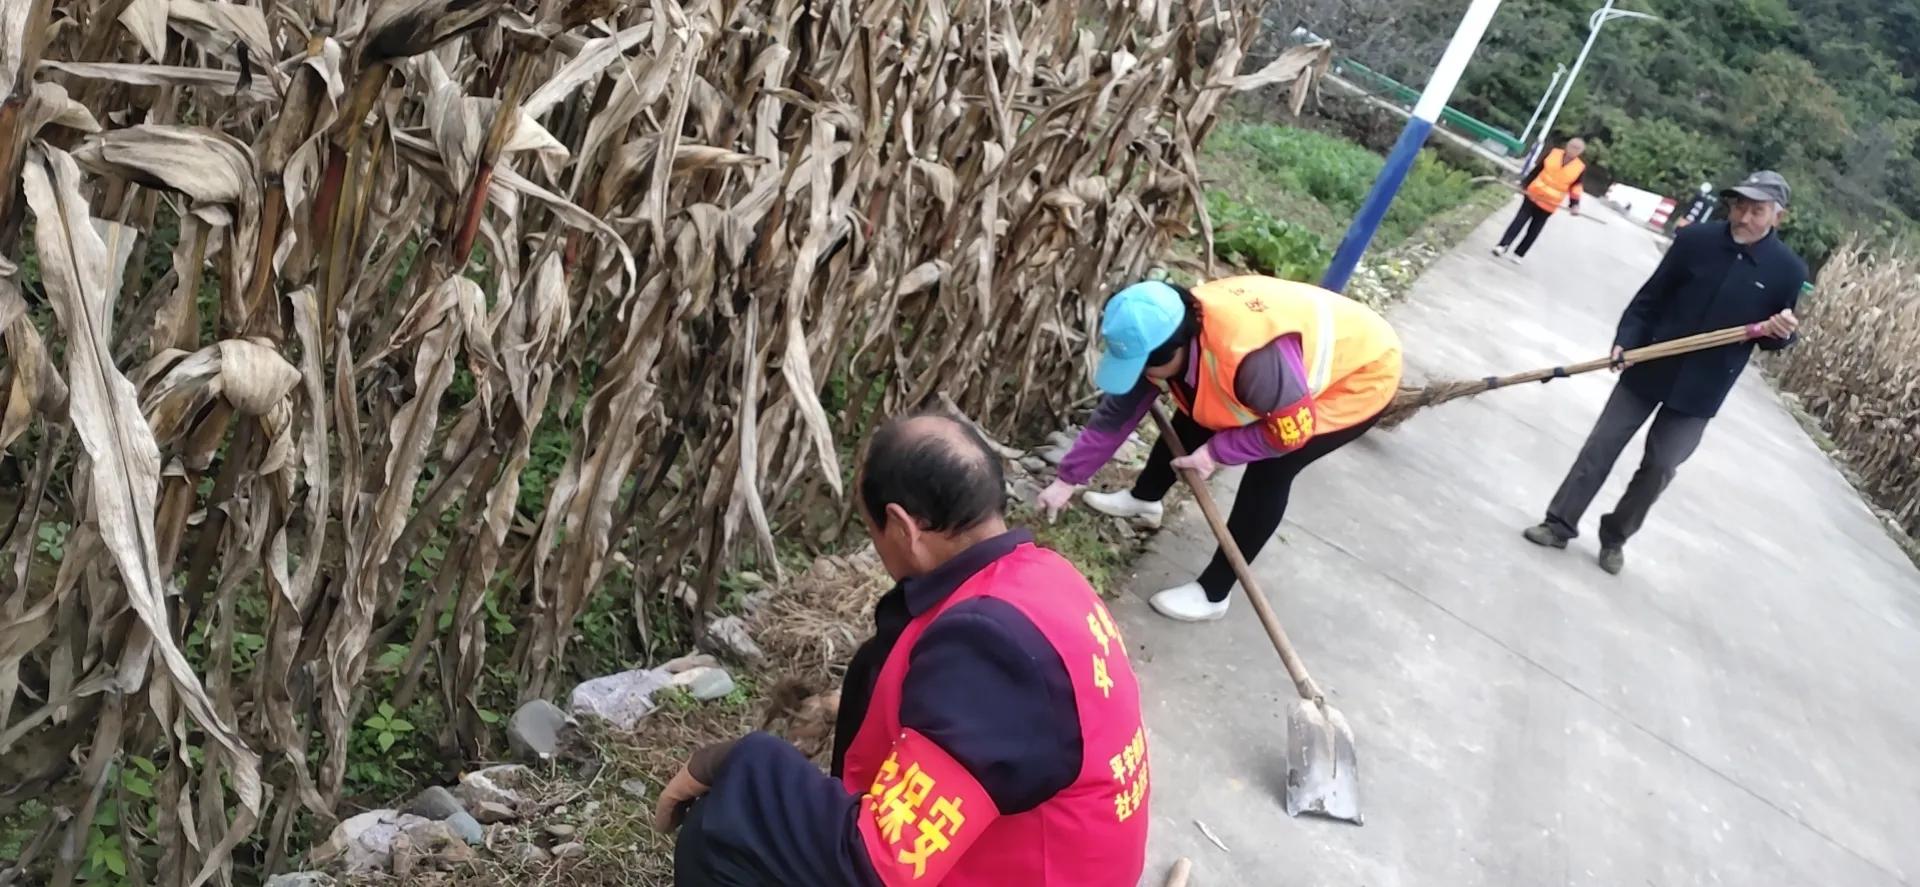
(1283, 196)
(1825, 91)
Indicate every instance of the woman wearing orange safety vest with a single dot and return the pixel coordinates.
(1267, 373)
(1555, 180)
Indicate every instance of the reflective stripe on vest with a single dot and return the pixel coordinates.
(1242, 315)
(1320, 374)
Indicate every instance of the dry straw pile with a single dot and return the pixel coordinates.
(290, 287)
(1857, 370)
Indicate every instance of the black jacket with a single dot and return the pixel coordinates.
(1706, 282)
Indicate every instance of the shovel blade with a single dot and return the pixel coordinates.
(1323, 778)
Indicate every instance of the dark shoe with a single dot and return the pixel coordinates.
(1613, 560)
(1543, 534)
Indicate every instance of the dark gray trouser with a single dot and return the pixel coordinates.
(1670, 441)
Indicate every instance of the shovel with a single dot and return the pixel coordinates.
(1322, 776)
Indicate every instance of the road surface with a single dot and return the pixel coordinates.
(1737, 708)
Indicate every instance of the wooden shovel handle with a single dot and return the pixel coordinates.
(1181, 869)
(1296, 669)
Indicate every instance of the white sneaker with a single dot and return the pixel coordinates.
(1188, 603)
(1121, 504)
(1499, 251)
(1517, 259)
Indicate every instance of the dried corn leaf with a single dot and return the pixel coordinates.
(260, 88)
(81, 280)
(219, 27)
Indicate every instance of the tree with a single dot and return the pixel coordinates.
(1787, 112)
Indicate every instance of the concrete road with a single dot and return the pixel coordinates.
(1739, 707)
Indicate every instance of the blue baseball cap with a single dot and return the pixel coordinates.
(1137, 320)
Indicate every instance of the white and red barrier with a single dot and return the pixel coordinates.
(1645, 207)
(1661, 214)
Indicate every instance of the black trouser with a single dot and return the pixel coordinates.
(1670, 441)
(1262, 500)
(1531, 217)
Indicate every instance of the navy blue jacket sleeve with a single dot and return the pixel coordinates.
(1637, 322)
(1794, 278)
(772, 817)
(985, 685)
(982, 683)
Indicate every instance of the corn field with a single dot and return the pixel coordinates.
(1857, 370)
(296, 295)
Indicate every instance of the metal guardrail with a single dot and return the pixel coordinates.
(1387, 87)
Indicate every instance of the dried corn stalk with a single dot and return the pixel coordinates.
(394, 334)
(1857, 369)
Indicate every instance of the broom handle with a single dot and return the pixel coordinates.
(1302, 682)
(1669, 348)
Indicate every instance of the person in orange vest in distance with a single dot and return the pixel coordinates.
(989, 732)
(1267, 373)
(1553, 181)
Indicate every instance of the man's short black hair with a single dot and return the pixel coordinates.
(937, 468)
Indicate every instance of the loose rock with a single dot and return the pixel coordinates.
(636, 787)
(729, 636)
(466, 827)
(705, 684)
(499, 785)
(689, 662)
(406, 857)
(534, 731)
(570, 850)
(301, 879)
(362, 843)
(622, 700)
(435, 803)
(560, 830)
(438, 843)
(488, 813)
(531, 854)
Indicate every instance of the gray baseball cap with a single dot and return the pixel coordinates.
(1765, 185)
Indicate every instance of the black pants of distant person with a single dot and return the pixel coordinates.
(1532, 218)
(1261, 502)
(1670, 441)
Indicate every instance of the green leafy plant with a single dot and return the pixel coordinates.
(53, 539)
(388, 727)
(1263, 244)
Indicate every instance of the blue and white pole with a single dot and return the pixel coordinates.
(1453, 63)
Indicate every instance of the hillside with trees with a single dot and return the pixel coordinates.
(1826, 91)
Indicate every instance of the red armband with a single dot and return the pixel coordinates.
(921, 813)
(1290, 429)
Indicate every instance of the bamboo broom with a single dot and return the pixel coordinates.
(1412, 400)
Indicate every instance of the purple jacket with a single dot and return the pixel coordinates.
(1268, 381)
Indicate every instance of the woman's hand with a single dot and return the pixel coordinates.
(1055, 499)
(1200, 462)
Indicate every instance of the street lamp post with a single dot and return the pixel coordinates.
(1559, 71)
(1433, 100)
(1594, 22)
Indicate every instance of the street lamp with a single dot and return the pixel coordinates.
(1594, 22)
(1559, 71)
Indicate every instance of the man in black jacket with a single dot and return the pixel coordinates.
(1714, 276)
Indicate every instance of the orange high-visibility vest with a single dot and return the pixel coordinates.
(1351, 354)
(1558, 179)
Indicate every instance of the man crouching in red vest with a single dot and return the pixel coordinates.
(989, 732)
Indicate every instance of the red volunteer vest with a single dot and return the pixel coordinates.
(927, 821)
